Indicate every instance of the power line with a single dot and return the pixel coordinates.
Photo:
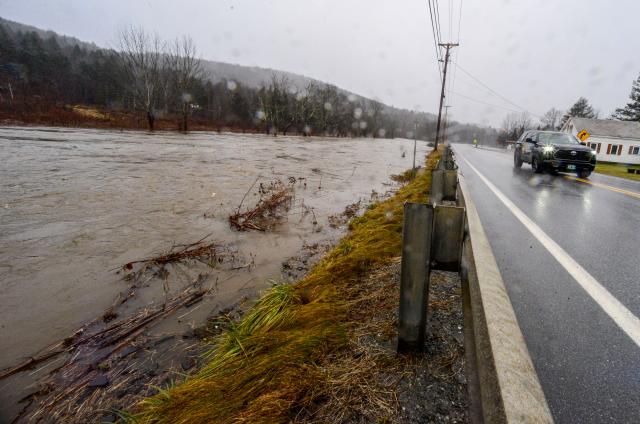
(483, 102)
(459, 20)
(435, 39)
(450, 19)
(437, 13)
(452, 85)
(493, 91)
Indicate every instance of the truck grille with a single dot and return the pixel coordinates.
(579, 156)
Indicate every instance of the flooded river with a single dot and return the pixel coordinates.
(76, 204)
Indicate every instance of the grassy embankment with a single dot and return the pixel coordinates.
(266, 368)
(617, 170)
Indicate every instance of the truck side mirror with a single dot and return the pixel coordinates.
(529, 140)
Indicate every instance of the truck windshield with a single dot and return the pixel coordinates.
(556, 138)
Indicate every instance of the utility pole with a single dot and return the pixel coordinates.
(445, 125)
(447, 46)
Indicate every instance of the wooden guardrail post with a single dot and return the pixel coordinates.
(414, 279)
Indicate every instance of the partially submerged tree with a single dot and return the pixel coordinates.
(580, 109)
(631, 112)
(185, 69)
(274, 102)
(142, 60)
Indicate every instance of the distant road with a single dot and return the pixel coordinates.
(569, 253)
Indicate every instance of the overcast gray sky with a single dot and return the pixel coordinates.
(535, 53)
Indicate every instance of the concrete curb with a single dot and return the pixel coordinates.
(503, 383)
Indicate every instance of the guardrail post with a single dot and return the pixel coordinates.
(414, 279)
(448, 234)
(450, 185)
(437, 187)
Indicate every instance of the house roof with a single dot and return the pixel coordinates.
(608, 127)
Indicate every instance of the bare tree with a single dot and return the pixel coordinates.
(141, 55)
(523, 122)
(551, 119)
(513, 125)
(275, 103)
(185, 69)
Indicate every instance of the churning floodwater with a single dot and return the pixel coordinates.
(77, 204)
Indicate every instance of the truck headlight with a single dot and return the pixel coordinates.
(593, 153)
(548, 150)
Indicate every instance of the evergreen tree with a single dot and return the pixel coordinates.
(580, 109)
(631, 112)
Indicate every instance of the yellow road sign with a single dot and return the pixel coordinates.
(583, 135)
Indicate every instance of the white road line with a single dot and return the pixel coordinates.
(628, 322)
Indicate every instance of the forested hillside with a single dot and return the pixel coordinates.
(55, 78)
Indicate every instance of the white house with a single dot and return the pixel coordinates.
(613, 141)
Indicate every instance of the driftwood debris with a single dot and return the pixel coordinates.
(91, 346)
(275, 199)
(212, 254)
(199, 250)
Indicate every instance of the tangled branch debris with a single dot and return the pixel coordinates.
(89, 349)
(208, 253)
(275, 200)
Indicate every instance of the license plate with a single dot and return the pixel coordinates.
(571, 167)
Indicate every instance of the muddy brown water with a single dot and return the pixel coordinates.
(77, 204)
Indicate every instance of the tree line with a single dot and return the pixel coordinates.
(155, 78)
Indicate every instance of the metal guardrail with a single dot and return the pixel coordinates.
(432, 239)
(447, 234)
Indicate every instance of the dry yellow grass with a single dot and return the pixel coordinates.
(89, 112)
(264, 368)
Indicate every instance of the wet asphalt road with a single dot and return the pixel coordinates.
(588, 366)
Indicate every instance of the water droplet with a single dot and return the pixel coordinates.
(328, 106)
(232, 85)
(357, 113)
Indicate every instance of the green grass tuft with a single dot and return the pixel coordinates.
(617, 170)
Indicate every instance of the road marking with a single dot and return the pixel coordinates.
(623, 317)
(608, 187)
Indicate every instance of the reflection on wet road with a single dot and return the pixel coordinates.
(584, 354)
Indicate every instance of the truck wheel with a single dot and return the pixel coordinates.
(584, 173)
(517, 160)
(537, 168)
